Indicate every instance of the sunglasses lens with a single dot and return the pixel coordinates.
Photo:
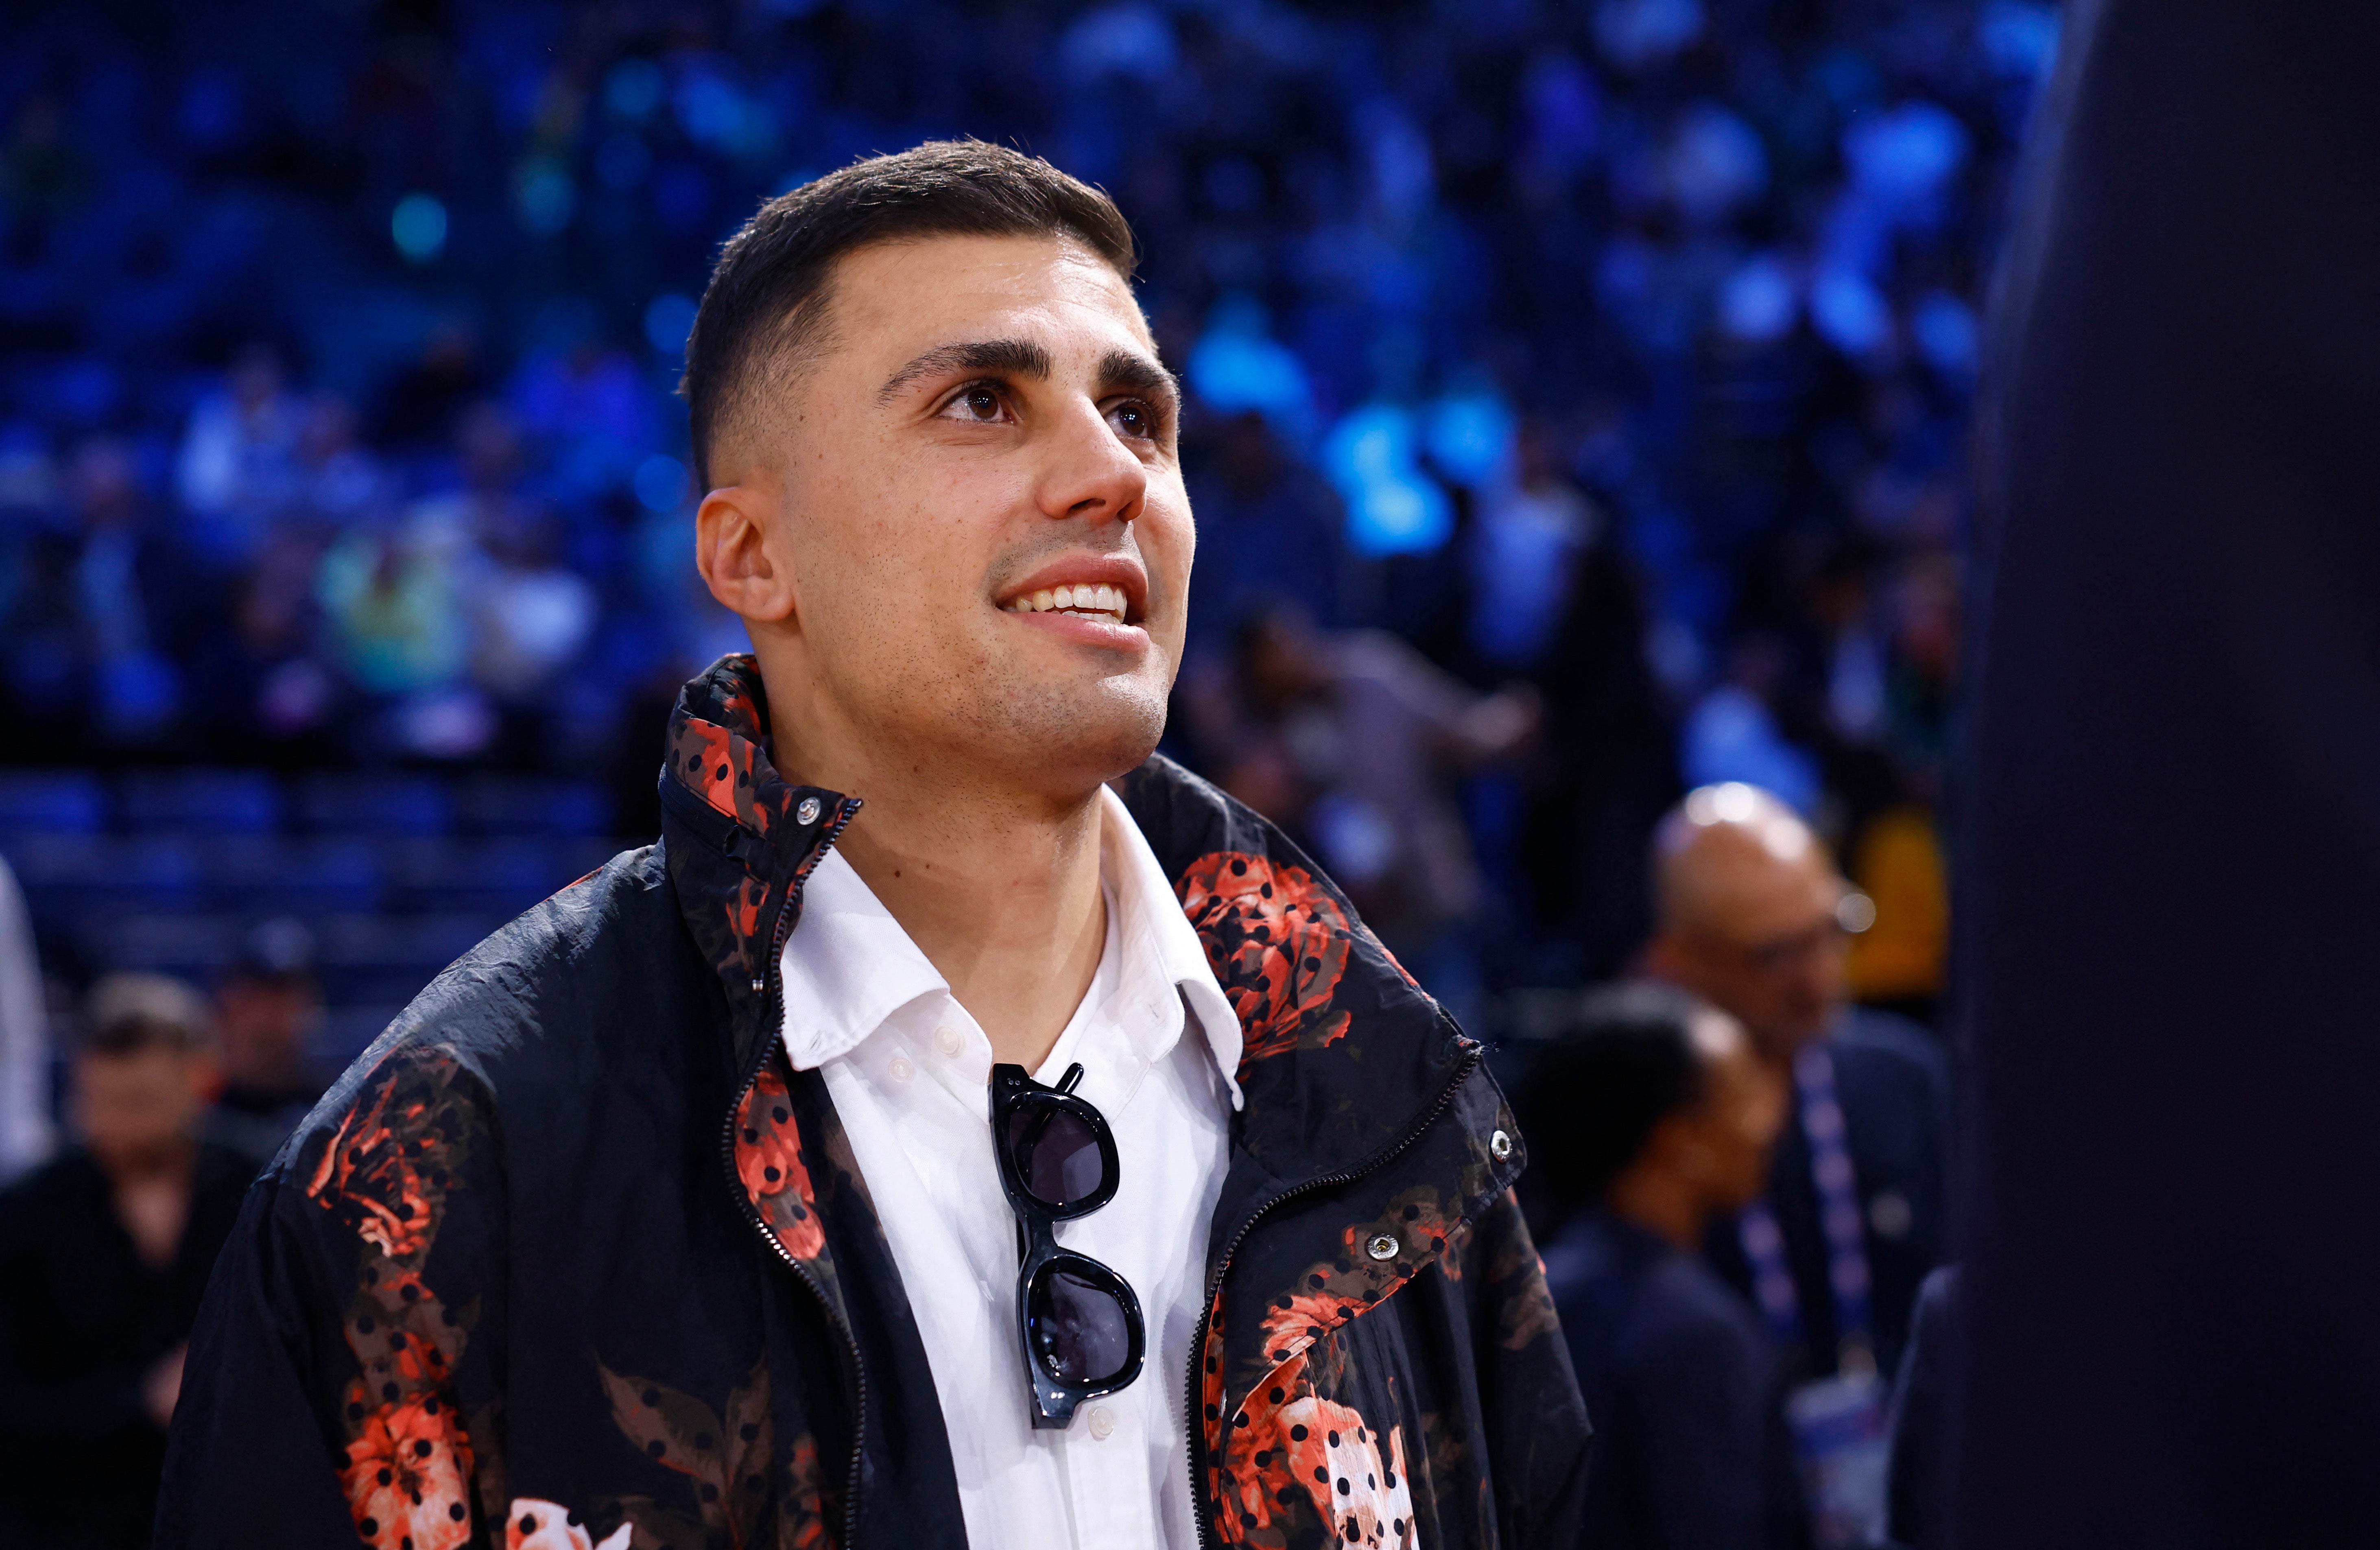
(1055, 1151)
(1080, 1331)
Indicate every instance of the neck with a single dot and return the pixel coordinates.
(1661, 1203)
(164, 1164)
(999, 888)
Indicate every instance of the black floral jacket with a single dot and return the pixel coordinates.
(573, 1259)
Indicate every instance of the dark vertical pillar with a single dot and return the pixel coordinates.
(2171, 874)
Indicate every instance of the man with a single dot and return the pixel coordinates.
(267, 1010)
(1749, 914)
(1667, 1118)
(673, 1215)
(103, 1255)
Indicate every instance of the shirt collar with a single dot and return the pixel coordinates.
(849, 966)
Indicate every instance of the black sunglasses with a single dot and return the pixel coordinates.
(1079, 1321)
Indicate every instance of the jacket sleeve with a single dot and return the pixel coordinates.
(320, 1404)
(1536, 1424)
(251, 1461)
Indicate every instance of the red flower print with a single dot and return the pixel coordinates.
(387, 1166)
(811, 1500)
(1362, 1496)
(1250, 1467)
(1278, 943)
(535, 1525)
(1309, 1316)
(769, 1161)
(408, 1474)
(1288, 1446)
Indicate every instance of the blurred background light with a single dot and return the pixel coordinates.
(417, 227)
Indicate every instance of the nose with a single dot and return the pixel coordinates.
(1090, 473)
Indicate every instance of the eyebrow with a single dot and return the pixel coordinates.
(1135, 372)
(1127, 370)
(1020, 358)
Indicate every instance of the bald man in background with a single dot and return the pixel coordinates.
(1750, 915)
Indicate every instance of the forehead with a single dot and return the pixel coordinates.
(896, 298)
(132, 1067)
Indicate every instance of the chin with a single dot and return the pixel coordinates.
(1071, 741)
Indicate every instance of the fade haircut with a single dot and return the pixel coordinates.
(764, 313)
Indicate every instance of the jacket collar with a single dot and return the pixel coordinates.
(745, 838)
(1298, 967)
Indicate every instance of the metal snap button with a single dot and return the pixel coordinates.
(1102, 1424)
(1500, 1146)
(808, 813)
(1383, 1246)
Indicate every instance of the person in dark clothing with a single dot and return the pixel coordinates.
(266, 1012)
(1656, 1117)
(1750, 915)
(104, 1256)
(687, 1208)
(1916, 1509)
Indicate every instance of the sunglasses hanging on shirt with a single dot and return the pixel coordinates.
(1079, 1321)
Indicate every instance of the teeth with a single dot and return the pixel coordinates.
(1086, 598)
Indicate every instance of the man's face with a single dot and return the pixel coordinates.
(1768, 948)
(133, 1109)
(262, 1026)
(982, 511)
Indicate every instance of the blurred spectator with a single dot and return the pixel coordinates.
(238, 469)
(1353, 742)
(1649, 1119)
(1530, 532)
(103, 607)
(103, 1255)
(25, 1129)
(1750, 915)
(268, 1009)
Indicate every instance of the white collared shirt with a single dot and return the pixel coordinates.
(910, 1071)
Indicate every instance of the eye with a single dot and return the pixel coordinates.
(1133, 420)
(978, 403)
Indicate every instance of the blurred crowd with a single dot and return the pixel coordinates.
(1621, 350)
(1578, 411)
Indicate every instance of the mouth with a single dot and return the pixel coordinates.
(1084, 600)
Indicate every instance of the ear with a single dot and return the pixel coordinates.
(739, 546)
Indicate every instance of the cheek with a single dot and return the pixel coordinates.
(1168, 541)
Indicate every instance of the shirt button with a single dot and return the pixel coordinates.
(1102, 1424)
(948, 1039)
(899, 1068)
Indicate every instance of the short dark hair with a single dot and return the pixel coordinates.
(1625, 1061)
(766, 300)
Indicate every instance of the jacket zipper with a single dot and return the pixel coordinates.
(773, 1001)
(1204, 1506)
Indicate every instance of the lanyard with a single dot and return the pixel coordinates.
(1839, 1214)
